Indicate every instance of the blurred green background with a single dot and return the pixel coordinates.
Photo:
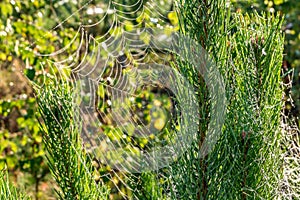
(29, 27)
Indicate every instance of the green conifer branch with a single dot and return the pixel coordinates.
(7, 191)
(67, 160)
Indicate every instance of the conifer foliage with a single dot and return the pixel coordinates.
(249, 160)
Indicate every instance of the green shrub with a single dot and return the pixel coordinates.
(255, 156)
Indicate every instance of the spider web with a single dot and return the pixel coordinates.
(109, 71)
